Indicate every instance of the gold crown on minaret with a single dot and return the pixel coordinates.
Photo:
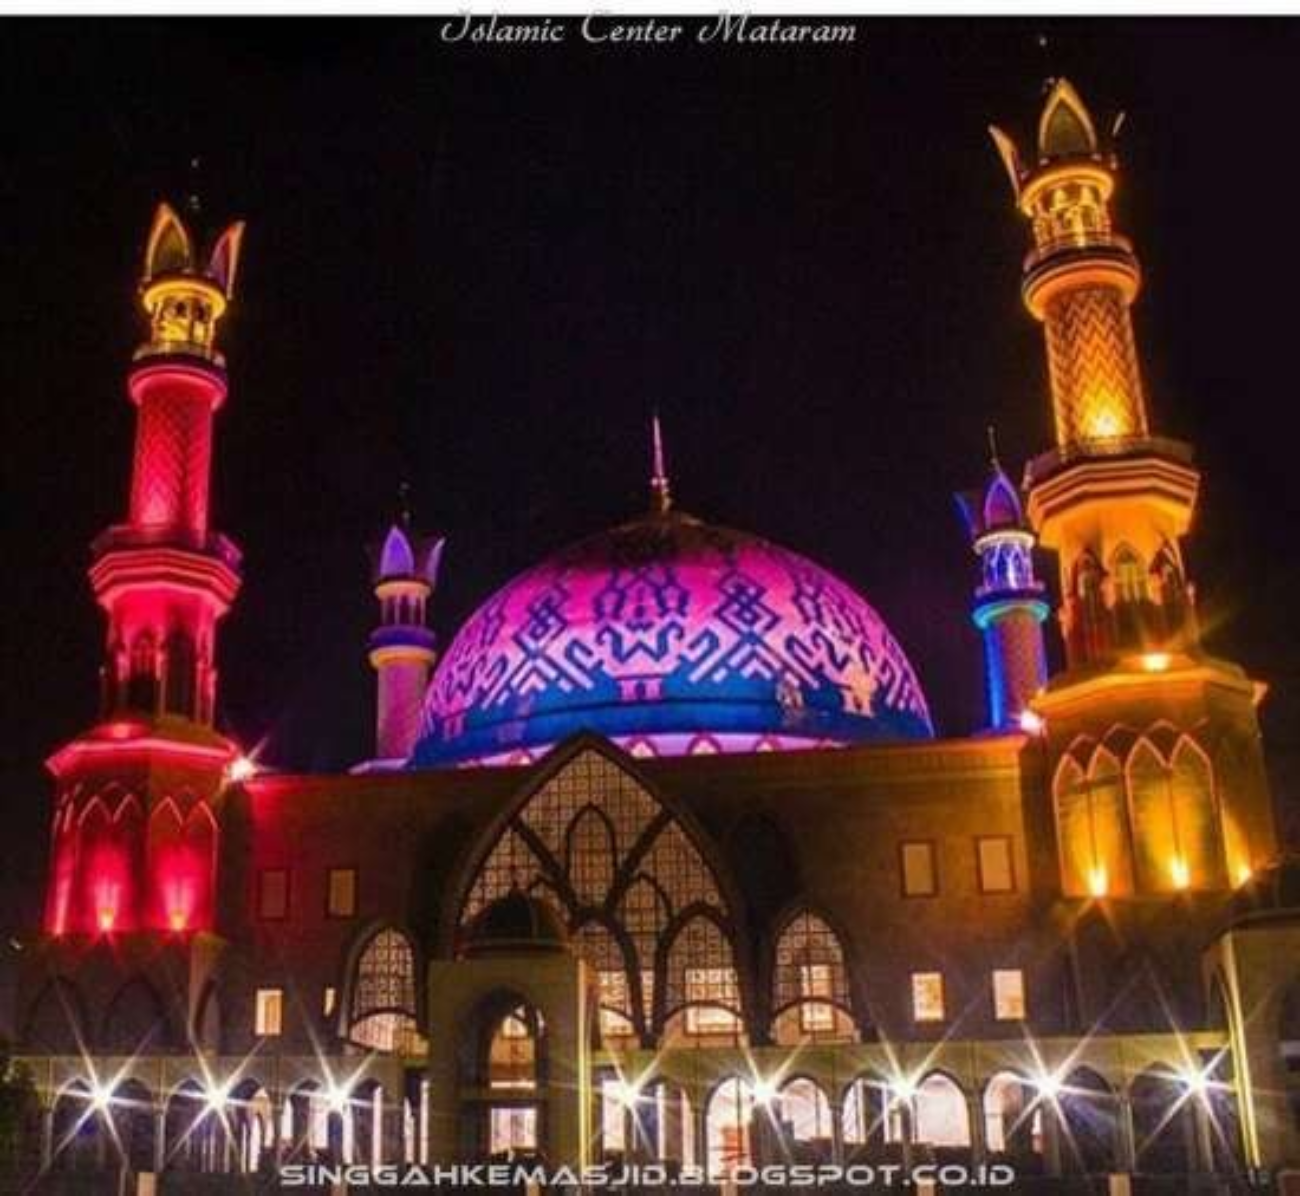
(184, 292)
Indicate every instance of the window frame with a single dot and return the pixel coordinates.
(981, 880)
(942, 1016)
(932, 846)
(259, 995)
(1023, 1016)
(260, 891)
(330, 871)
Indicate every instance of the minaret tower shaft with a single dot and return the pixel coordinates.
(139, 796)
(1010, 604)
(1111, 499)
(164, 577)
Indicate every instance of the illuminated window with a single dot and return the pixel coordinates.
(996, 869)
(341, 893)
(512, 1051)
(512, 1130)
(329, 1000)
(382, 1011)
(614, 999)
(927, 996)
(273, 894)
(815, 1010)
(613, 1115)
(713, 995)
(810, 976)
(920, 877)
(268, 1016)
(1009, 995)
(616, 849)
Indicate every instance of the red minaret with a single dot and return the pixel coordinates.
(135, 831)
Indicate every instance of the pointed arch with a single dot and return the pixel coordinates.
(1065, 128)
(396, 558)
(590, 836)
(135, 1021)
(169, 249)
(55, 1023)
(1092, 827)
(381, 1010)
(811, 998)
(1195, 814)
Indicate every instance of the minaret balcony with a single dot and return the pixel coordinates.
(126, 536)
(1040, 468)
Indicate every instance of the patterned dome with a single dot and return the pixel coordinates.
(670, 636)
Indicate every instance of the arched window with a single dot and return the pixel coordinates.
(810, 984)
(729, 1121)
(940, 1117)
(1092, 827)
(644, 906)
(804, 1113)
(382, 1008)
(1129, 579)
(1013, 1116)
(1174, 820)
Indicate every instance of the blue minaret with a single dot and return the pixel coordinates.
(1009, 601)
(402, 646)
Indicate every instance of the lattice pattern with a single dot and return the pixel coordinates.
(589, 821)
(383, 1007)
(1096, 385)
(809, 964)
(172, 462)
(672, 628)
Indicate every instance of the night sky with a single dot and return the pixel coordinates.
(479, 269)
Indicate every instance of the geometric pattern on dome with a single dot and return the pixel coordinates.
(665, 628)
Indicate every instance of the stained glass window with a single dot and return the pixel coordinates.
(594, 842)
(383, 1009)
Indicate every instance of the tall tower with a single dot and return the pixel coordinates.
(1111, 499)
(135, 827)
(1009, 604)
(1157, 774)
(402, 646)
(164, 577)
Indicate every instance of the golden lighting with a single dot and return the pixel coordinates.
(1106, 423)
(1245, 873)
(1098, 881)
(1032, 723)
(1180, 873)
(1155, 662)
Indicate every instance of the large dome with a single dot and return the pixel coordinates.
(670, 636)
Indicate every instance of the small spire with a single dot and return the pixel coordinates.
(660, 495)
(992, 434)
(193, 202)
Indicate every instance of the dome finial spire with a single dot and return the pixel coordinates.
(660, 493)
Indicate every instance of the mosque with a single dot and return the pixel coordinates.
(660, 859)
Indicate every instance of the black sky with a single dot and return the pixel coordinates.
(479, 269)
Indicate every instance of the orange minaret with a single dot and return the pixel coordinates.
(1111, 499)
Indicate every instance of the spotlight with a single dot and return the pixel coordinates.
(1195, 1081)
(1179, 873)
(336, 1098)
(1032, 723)
(217, 1095)
(1098, 881)
(903, 1088)
(1155, 662)
(101, 1096)
(1245, 873)
(1049, 1086)
(241, 768)
(764, 1092)
(107, 917)
(624, 1093)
